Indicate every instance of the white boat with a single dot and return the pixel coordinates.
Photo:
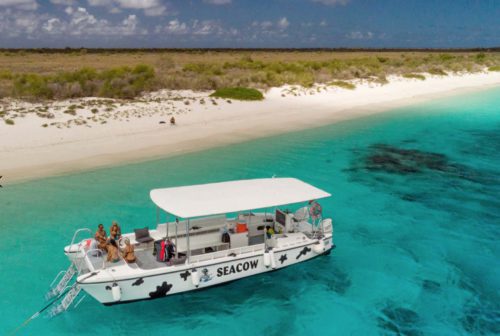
(212, 247)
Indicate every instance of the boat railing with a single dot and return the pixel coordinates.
(77, 232)
(227, 253)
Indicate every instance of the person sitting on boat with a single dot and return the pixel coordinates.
(101, 238)
(113, 252)
(115, 232)
(315, 210)
(269, 232)
(128, 252)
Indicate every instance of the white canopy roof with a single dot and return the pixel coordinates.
(233, 196)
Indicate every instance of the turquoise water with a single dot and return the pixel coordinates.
(416, 210)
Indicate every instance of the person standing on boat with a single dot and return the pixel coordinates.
(128, 252)
(115, 232)
(101, 238)
(269, 232)
(315, 210)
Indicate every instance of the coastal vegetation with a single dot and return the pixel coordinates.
(119, 82)
(238, 93)
(38, 75)
(343, 84)
(414, 76)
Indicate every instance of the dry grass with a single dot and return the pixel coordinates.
(211, 70)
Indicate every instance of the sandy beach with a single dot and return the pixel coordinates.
(75, 135)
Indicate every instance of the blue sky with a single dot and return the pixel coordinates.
(249, 23)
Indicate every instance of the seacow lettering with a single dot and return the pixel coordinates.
(240, 267)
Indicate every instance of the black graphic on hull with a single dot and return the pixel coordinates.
(138, 282)
(283, 258)
(161, 291)
(185, 275)
(108, 287)
(304, 252)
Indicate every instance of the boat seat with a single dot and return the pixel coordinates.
(142, 235)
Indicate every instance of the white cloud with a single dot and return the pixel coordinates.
(323, 23)
(218, 2)
(270, 28)
(20, 4)
(20, 23)
(77, 22)
(100, 2)
(174, 27)
(150, 7)
(195, 28)
(63, 2)
(332, 2)
(357, 35)
(283, 23)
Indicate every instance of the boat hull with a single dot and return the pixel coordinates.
(198, 276)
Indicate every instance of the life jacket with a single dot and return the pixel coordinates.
(162, 250)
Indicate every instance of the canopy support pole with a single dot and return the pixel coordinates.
(188, 252)
(166, 223)
(176, 251)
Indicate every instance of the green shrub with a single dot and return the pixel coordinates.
(446, 57)
(437, 72)
(414, 76)
(238, 93)
(9, 121)
(494, 68)
(480, 57)
(32, 85)
(343, 84)
(6, 74)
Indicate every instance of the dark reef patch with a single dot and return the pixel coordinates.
(431, 286)
(481, 318)
(431, 175)
(399, 321)
(340, 282)
(382, 157)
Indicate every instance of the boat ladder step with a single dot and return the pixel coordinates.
(66, 302)
(64, 278)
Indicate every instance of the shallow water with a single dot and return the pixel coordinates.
(416, 210)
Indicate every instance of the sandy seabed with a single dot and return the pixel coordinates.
(80, 134)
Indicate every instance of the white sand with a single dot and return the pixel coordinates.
(132, 131)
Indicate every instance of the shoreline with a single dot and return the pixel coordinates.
(133, 132)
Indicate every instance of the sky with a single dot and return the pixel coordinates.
(249, 23)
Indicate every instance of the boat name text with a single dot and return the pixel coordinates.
(240, 267)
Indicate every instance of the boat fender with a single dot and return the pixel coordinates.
(116, 291)
(195, 277)
(273, 260)
(267, 259)
(319, 247)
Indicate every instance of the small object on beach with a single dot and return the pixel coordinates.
(162, 122)
(172, 121)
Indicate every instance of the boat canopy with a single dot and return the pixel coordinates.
(233, 196)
